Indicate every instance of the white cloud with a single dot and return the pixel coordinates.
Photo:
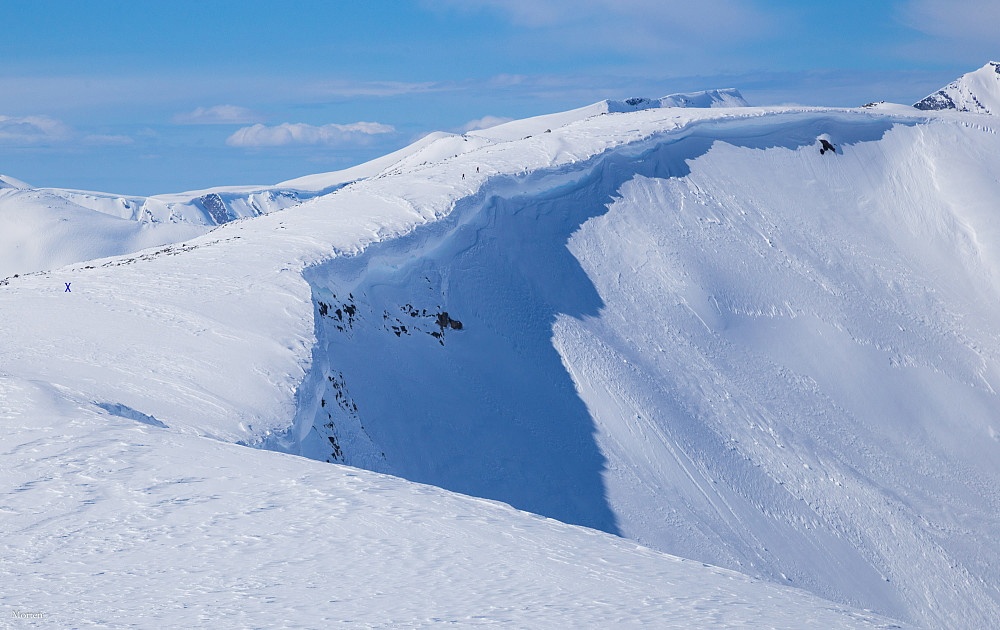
(106, 139)
(484, 123)
(219, 115)
(21, 130)
(300, 133)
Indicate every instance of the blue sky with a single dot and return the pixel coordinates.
(152, 97)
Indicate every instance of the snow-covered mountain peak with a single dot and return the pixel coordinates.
(977, 92)
(727, 97)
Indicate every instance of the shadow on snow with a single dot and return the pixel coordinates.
(489, 410)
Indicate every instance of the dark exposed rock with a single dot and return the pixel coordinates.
(936, 101)
(216, 208)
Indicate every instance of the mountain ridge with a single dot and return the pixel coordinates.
(976, 92)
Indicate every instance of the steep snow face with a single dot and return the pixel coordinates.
(796, 367)
(977, 92)
(751, 353)
(112, 520)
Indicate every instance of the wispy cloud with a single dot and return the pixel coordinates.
(959, 19)
(46, 131)
(350, 89)
(702, 15)
(300, 133)
(32, 130)
(107, 139)
(956, 30)
(483, 123)
(632, 25)
(219, 115)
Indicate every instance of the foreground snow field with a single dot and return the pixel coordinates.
(114, 523)
(687, 327)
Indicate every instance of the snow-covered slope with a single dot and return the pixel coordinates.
(46, 228)
(6, 181)
(519, 129)
(42, 229)
(685, 326)
(751, 353)
(51, 227)
(977, 92)
(111, 522)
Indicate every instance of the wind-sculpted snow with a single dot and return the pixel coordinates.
(688, 327)
(488, 409)
(753, 395)
(111, 523)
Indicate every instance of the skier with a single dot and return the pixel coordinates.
(826, 146)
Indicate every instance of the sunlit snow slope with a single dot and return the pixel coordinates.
(686, 327)
(112, 523)
(46, 228)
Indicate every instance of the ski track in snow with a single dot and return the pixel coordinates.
(729, 272)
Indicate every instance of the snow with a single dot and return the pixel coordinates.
(977, 92)
(51, 227)
(518, 129)
(684, 326)
(328, 181)
(41, 230)
(6, 181)
(737, 360)
(114, 523)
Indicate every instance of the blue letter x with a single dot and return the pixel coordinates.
(67, 287)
